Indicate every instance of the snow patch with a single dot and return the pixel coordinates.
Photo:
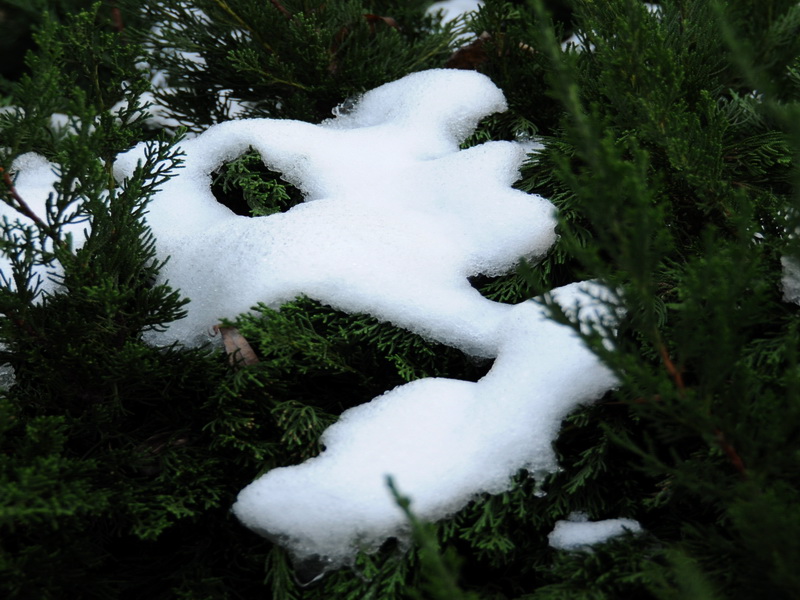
(580, 534)
(443, 441)
(396, 219)
(790, 281)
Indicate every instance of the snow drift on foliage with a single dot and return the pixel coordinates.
(443, 441)
(35, 179)
(396, 219)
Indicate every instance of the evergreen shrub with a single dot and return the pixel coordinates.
(670, 150)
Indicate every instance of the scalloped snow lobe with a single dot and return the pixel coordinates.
(396, 219)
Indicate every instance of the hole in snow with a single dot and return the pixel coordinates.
(310, 570)
(511, 288)
(249, 188)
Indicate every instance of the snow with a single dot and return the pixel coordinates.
(454, 9)
(443, 441)
(36, 176)
(577, 533)
(790, 281)
(396, 218)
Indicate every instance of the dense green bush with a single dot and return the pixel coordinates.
(670, 147)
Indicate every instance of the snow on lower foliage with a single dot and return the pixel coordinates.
(443, 441)
(396, 219)
(578, 533)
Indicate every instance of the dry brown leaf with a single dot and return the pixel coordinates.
(236, 346)
(471, 56)
(372, 19)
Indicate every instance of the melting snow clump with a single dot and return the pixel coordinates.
(578, 533)
(443, 441)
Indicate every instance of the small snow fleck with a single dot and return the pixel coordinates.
(454, 9)
(578, 533)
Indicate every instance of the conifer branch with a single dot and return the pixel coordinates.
(273, 79)
(236, 17)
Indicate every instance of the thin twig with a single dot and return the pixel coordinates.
(281, 8)
(116, 19)
(730, 451)
(224, 6)
(674, 372)
(23, 206)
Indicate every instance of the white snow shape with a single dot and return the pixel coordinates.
(396, 219)
(579, 534)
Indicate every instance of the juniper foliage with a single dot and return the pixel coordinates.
(670, 144)
(296, 59)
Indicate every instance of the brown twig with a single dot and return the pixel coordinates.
(22, 205)
(373, 19)
(116, 19)
(471, 56)
(236, 346)
(674, 372)
(281, 8)
(730, 452)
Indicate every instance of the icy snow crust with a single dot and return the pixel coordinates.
(396, 219)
